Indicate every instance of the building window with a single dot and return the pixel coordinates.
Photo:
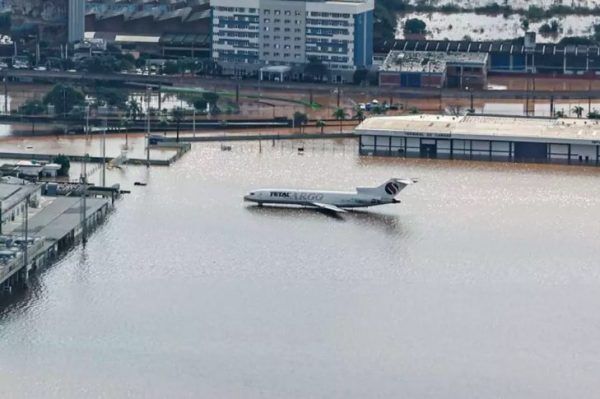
(277, 12)
(287, 13)
(266, 20)
(267, 12)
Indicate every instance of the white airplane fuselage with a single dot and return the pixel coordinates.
(332, 200)
(342, 199)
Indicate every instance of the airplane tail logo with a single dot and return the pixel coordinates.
(392, 188)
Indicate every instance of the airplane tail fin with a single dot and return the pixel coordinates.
(390, 188)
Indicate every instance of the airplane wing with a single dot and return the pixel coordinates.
(328, 207)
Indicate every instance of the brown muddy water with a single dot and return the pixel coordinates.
(484, 282)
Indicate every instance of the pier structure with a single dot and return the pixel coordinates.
(38, 235)
(481, 137)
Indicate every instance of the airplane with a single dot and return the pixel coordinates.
(333, 201)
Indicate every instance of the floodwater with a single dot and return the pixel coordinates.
(484, 282)
(479, 27)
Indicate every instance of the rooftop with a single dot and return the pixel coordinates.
(60, 216)
(429, 61)
(499, 46)
(552, 130)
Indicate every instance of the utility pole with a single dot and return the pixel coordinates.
(5, 94)
(148, 93)
(194, 121)
(83, 210)
(87, 121)
(26, 233)
(104, 153)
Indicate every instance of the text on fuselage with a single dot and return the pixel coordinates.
(296, 196)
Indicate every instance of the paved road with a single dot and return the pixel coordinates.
(211, 83)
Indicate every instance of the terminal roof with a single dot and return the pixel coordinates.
(481, 126)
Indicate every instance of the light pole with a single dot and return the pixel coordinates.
(104, 153)
(148, 93)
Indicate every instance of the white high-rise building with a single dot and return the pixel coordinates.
(76, 20)
(255, 34)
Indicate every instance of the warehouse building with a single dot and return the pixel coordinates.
(513, 139)
(511, 57)
(434, 69)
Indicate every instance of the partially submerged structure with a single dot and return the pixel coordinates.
(514, 139)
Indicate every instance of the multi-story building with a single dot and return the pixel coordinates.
(261, 34)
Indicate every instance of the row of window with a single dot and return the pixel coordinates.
(235, 33)
(236, 9)
(278, 12)
(322, 49)
(332, 58)
(329, 15)
(326, 22)
(237, 18)
(238, 52)
(285, 46)
(285, 55)
(243, 60)
(317, 40)
(236, 25)
(285, 21)
(286, 38)
(326, 31)
(237, 43)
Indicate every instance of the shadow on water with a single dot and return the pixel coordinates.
(390, 224)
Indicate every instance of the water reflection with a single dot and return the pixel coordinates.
(366, 218)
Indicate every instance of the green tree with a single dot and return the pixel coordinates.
(200, 104)
(321, 124)
(178, 114)
(64, 98)
(171, 68)
(559, 114)
(359, 114)
(111, 97)
(212, 98)
(133, 109)
(340, 115)
(594, 114)
(64, 162)
(414, 26)
(578, 110)
(32, 107)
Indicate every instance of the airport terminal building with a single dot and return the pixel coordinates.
(478, 137)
